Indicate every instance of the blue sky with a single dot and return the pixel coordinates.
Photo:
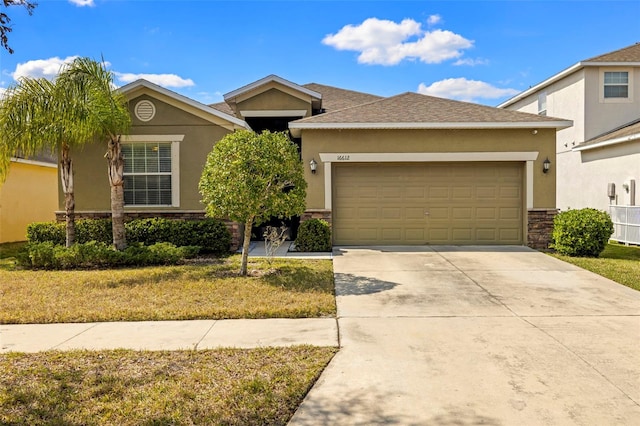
(479, 51)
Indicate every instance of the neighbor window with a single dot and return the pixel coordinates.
(542, 103)
(616, 84)
(147, 174)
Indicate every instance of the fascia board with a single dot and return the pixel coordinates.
(444, 125)
(34, 162)
(609, 142)
(543, 84)
(139, 86)
(268, 79)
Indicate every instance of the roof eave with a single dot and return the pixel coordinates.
(268, 79)
(561, 124)
(237, 123)
(543, 84)
(602, 144)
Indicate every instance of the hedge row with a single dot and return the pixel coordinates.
(47, 255)
(211, 235)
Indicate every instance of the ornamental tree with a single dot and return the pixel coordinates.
(250, 178)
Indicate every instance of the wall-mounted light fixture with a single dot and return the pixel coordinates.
(546, 165)
(313, 165)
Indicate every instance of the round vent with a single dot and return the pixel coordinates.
(145, 110)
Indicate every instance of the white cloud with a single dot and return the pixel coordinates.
(464, 90)
(434, 20)
(471, 62)
(164, 80)
(387, 43)
(81, 3)
(38, 68)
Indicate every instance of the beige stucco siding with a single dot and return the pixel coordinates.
(274, 100)
(92, 190)
(602, 115)
(315, 142)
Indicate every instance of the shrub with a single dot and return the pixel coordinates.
(583, 232)
(96, 254)
(40, 232)
(209, 234)
(314, 235)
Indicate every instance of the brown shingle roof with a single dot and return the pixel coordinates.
(334, 98)
(626, 54)
(223, 107)
(416, 108)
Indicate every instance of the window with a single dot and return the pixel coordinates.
(616, 84)
(151, 172)
(542, 103)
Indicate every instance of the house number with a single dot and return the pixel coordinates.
(343, 157)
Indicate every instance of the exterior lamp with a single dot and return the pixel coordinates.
(313, 165)
(546, 165)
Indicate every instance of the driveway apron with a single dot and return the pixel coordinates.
(448, 335)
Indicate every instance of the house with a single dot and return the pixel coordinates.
(598, 158)
(29, 194)
(408, 169)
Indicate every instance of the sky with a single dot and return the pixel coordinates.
(476, 51)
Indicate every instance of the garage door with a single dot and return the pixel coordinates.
(427, 203)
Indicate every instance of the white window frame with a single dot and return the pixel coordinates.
(175, 164)
(542, 103)
(629, 97)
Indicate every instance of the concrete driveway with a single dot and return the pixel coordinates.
(477, 335)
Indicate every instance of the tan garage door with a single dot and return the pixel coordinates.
(427, 203)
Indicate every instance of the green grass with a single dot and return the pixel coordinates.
(282, 288)
(617, 262)
(228, 386)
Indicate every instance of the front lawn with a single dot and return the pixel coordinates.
(229, 386)
(282, 288)
(617, 262)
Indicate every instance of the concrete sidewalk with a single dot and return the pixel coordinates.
(169, 335)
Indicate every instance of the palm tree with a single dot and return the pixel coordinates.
(35, 116)
(108, 115)
(79, 106)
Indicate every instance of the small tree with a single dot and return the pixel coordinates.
(250, 178)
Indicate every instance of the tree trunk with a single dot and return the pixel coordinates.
(245, 246)
(116, 181)
(66, 177)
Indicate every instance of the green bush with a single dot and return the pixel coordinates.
(209, 234)
(40, 232)
(314, 235)
(96, 254)
(583, 232)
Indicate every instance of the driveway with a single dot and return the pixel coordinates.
(477, 335)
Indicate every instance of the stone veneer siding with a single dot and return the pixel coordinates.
(540, 228)
(233, 227)
(539, 225)
(316, 214)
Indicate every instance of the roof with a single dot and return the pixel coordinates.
(201, 110)
(627, 133)
(627, 56)
(268, 79)
(334, 98)
(415, 111)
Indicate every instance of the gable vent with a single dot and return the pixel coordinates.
(145, 110)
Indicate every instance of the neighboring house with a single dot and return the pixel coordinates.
(409, 169)
(598, 159)
(29, 194)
